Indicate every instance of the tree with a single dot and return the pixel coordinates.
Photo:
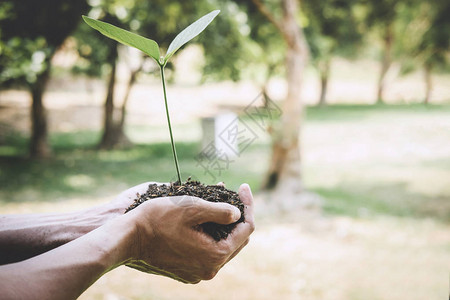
(425, 43)
(31, 32)
(264, 47)
(284, 169)
(333, 29)
(435, 45)
(97, 54)
(382, 15)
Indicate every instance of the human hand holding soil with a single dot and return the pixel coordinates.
(160, 236)
(170, 241)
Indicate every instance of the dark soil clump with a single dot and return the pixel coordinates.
(212, 193)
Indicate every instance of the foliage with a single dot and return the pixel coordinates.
(94, 55)
(148, 46)
(387, 21)
(425, 41)
(228, 46)
(381, 12)
(23, 59)
(31, 32)
(265, 43)
(435, 44)
(224, 44)
(333, 28)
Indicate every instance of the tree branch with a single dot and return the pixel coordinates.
(264, 10)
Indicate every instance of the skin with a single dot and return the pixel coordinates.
(25, 236)
(159, 237)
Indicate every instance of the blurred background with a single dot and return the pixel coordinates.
(344, 134)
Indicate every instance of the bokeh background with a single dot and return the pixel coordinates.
(367, 110)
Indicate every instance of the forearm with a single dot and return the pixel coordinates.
(25, 236)
(65, 272)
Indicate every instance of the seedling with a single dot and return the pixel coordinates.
(192, 188)
(151, 48)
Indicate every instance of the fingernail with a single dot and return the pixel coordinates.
(246, 186)
(249, 189)
(237, 214)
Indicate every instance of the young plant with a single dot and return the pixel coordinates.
(151, 48)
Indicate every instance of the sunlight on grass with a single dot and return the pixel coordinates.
(9, 151)
(79, 181)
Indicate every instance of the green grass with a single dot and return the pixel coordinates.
(77, 168)
(399, 163)
(367, 201)
(404, 170)
(352, 113)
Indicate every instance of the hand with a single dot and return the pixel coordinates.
(160, 236)
(168, 240)
(25, 236)
(127, 197)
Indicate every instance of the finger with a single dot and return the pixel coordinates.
(141, 189)
(220, 213)
(237, 250)
(243, 230)
(126, 198)
(245, 194)
(241, 233)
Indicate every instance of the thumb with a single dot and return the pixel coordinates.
(216, 212)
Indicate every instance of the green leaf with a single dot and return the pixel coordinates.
(148, 46)
(189, 33)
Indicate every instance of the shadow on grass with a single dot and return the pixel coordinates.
(356, 200)
(78, 168)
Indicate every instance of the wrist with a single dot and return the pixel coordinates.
(82, 222)
(118, 244)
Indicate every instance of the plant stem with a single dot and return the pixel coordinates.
(174, 151)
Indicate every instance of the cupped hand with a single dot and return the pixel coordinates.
(168, 239)
(127, 197)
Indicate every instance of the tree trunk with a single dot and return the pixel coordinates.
(284, 169)
(39, 147)
(270, 70)
(108, 120)
(131, 82)
(324, 70)
(386, 62)
(428, 83)
(113, 130)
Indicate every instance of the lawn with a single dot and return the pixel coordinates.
(383, 173)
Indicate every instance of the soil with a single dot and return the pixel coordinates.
(212, 193)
